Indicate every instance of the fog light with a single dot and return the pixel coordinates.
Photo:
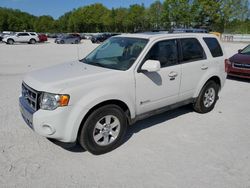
(48, 130)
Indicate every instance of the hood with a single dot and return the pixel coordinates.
(240, 58)
(57, 78)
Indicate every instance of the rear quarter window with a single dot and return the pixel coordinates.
(214, 46)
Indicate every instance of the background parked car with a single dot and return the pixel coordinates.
(82, 35)
(68, 39)
(22, 37)
(239, 64)
(75, 35)
(5, 34)
(1, 37)
(88, 36)
(52, 35)
(101, 37)
(42, 37)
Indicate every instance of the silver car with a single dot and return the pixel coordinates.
(68, 39)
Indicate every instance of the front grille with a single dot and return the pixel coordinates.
(31, 96)
(241, 65)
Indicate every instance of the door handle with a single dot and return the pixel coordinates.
(173, 74)
(204, 67)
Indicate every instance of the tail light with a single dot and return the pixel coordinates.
(227, 64)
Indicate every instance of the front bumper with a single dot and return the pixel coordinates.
(54, 124)
(237, 72)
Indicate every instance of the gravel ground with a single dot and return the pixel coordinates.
(179, 148)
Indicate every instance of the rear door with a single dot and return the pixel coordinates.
(194, 65)
(158, 89)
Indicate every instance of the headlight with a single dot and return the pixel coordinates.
(51, 101)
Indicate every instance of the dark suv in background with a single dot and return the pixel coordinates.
(102, 37)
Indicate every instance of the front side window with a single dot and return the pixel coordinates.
(116, 53)
(22, 34)
(164, 51)
(213, 46)
(191, 50)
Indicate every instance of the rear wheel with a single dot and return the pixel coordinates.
(103, 130)
(32, 41)
(62, 42)
(207, 98)
(10, 41)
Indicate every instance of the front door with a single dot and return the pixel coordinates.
(158, 89)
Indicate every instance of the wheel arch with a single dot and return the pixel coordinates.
(33, 39)
(214, 78)
(10, 39)
(117, 102)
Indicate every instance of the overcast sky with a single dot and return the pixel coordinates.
(56, 8)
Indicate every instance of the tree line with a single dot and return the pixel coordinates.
(215, 15)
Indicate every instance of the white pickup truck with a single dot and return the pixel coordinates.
(125, 79)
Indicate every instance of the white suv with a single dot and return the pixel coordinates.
(22, 37)
(125, 79)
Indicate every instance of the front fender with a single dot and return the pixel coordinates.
(82, 107)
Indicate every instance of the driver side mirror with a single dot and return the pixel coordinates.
(151, 66)
(239, 51)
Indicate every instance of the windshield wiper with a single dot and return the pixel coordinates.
(92, 63)
(97, 64)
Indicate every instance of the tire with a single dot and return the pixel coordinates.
(32, 41)
(104, 130)
(10, 41)
(207, 98)
(62, 42)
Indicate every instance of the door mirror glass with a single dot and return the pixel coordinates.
(151, 66)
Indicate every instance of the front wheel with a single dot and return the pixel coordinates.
(103, 130)
(207, 98)
(10, 41)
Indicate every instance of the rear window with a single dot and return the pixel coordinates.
(214, 46)
(191, 50)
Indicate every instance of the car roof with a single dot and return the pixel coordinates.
(158, 35)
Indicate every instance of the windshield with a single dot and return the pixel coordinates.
(116, 53)
(246, 50)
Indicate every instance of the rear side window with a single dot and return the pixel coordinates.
(214, 46)
(33, 34)
(191, 50)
